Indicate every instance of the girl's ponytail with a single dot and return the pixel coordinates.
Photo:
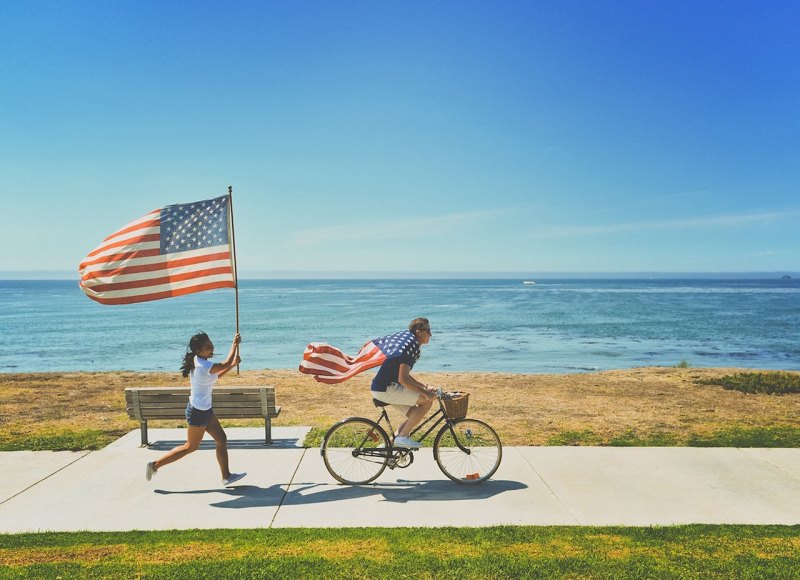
(195, 344)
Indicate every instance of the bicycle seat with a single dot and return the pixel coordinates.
(378, 403)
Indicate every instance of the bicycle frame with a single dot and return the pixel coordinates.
(438, 417)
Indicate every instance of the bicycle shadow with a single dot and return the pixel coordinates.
(403, 491)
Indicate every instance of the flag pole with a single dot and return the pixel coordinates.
(233, 259)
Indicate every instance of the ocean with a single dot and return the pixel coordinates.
(552, 326)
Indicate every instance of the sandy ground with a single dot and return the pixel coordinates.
(524, 409)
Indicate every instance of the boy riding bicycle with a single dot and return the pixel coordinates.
(393, 384)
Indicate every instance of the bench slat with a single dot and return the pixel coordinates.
(184, 391)
(170, 402)
(216, 401)
(217, 404)
(179, 414)
(181, 408)
(145, 403)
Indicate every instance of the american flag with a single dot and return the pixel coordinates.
(172, 251)
(330, 365)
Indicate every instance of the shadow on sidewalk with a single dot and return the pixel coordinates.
(291, 443)
(251, 496)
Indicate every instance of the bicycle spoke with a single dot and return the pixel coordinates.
(343, 451)
(480, 456)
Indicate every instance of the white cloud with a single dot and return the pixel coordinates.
(723, 221)
(367, 232)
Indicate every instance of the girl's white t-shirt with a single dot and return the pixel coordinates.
(202, 381)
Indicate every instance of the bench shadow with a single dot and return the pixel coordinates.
(404, 491)
(290, 443)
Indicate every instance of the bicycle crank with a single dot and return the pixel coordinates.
(401, 459)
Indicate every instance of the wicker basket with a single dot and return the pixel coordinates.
(456, 404)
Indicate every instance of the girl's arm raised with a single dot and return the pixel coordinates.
(232, 360)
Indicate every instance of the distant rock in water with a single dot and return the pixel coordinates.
(787, 277)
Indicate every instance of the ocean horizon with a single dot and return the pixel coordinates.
(245, 275)
(498, 325)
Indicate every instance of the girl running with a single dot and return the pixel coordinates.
(199, 414)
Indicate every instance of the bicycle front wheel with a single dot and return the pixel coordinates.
(468, 453)
(355, 451)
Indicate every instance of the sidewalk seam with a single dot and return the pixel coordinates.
(288, 486)
(547, 485)
(35, 483)
(743, 450)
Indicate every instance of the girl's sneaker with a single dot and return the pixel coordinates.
(232, 478)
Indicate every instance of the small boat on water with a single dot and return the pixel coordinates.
(529, 283)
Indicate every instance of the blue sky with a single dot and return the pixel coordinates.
(559, 136)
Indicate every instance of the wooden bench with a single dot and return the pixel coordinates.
(145, 403)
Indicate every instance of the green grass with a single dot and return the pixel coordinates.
(632, 439)
(314, 437)
(779, 436)
(749, 437)
(585, 437)
(496, 552)
(772, 383)
(58, 440)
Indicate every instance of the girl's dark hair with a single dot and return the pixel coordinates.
(197, 342)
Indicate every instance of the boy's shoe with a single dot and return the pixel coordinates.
(150, 471)
(232, 478)
(406, 442)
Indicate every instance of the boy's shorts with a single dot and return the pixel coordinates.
(397, 396)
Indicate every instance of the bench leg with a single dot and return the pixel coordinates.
(143, 429)
(268, 430)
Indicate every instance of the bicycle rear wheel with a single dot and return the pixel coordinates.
(355, 451)
(480, 456)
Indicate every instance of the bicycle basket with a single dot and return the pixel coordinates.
(456, 404)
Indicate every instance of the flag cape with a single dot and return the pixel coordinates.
(330, 365)
(172, 251)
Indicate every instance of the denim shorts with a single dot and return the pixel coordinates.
(198, 417)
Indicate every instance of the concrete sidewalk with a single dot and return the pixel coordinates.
(288, 486)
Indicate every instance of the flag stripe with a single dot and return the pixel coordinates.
(155, 289)
(171, 279)
(149, 220)
(148, 235)
(154, 268)
(150, 251)
(330, 365)
(165, 253)
(164, 294)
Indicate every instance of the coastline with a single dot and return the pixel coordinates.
(646, 405)
(554, 326)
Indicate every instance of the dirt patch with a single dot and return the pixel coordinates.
(524, 409)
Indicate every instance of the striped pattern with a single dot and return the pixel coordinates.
(330, 365)
(172, 251)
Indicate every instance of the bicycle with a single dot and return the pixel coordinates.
(357, 450)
